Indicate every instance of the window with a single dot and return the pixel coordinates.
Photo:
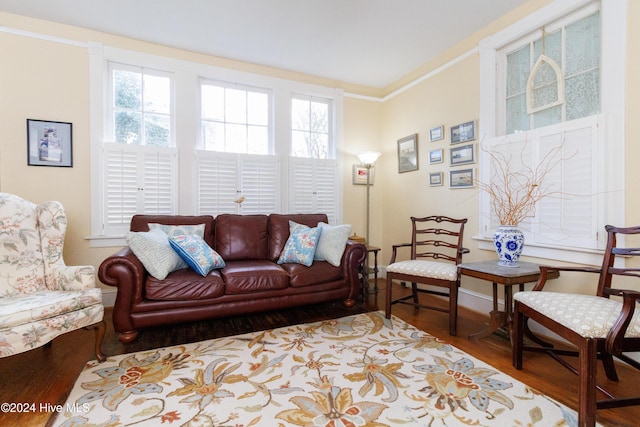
(551, 84)
(235, 119)
(312, 167)
(177, 137)
(310, 128)
(236, 170)
(141, 106)
(139, 154)
(554, 78)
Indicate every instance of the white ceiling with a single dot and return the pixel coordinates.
(366, 42)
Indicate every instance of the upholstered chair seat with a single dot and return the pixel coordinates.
(587, 315)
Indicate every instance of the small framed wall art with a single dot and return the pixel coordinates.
(408, 153)
(462, 155)
(436, 179)
(360, 175)
(463, 132)
(461, 178)
(436, 133)
(436, 156)
(49, 143)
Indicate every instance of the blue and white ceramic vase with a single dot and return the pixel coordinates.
(509, 241)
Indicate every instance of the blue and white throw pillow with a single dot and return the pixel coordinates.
(196, 253)
(301, 244)
(333, 240)
(154, 252)
(176, 230)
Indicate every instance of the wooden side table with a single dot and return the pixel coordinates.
(366, 270)
(508, 277)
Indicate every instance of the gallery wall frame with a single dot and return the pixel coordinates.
(436, 133)
(463, 132)
(436, 179)
(408, 153)
(462, 155)
(49, 143)
(461, 178)
(360, 175)
(436, 156)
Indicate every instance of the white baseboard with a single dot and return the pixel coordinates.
(109, 297)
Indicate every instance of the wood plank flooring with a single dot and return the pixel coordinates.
(46, 375)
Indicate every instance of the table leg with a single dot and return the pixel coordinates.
(375, 272)
(498, 318)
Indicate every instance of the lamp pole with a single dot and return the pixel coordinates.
(368, 166)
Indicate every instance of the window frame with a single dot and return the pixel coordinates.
(187, 99)
(612, 103)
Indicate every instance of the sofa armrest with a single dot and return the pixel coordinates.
(124, 271)
(74, 278)
(352, 259)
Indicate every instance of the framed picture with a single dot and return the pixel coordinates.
(360, 175)
(435, 156)
(462, 155)
(49, 143)
(435, 179)
(464, 132)
(408, 153)
(461, 178)
(436, 133)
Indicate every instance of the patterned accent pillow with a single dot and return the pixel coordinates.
(176, 230)
(301, 244)
(196, 253)
(333, 240)
(154, 251)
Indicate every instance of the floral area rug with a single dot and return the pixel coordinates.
(360, 370)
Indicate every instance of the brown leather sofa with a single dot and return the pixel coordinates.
(251, 281)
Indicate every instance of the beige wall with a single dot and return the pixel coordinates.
(48, 80)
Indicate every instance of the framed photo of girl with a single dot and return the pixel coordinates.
(49, 143)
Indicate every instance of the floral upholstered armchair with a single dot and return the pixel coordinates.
(41, 297)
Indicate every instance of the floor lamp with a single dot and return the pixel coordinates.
(368, 159)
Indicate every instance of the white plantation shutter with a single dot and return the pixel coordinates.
(137, 180)
(326, 193)
(224, 177)
(216, 176)
(121, 187)
(573, 215)
(313, 186)
(259, 184)
(159, 181)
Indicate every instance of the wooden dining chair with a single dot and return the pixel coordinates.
(436, 251)
(599, 326)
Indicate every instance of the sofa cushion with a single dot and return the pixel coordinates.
(318, 272)
(279, 229)
(243, 277)
(154, 252)
(185, 285)
(195, 252)
(241, 237)
(301, 245)
(333, 240)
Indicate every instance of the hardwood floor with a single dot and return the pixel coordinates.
(46, 375)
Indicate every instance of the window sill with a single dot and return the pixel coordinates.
(103, 241)
(572, 255)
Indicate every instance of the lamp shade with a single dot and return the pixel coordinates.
(369, 157)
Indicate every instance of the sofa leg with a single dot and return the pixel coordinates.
(127, 337)
(349, 303)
